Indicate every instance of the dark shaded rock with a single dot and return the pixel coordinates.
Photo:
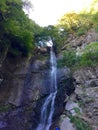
(13, 72)
(41, 50)
(37, 111)
(23, 81)
(19, 118)
(3, 124)
(26, 81)
(91, 83)
(66, 86)
(66, 81)
(37, 82)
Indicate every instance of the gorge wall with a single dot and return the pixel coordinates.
(24, 85)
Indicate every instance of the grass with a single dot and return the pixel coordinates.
(79, 123)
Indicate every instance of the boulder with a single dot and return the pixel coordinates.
(65, 124)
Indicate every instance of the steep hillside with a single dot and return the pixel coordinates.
(81, 55)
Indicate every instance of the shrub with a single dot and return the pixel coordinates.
(81, 31)
(90, 55)
(69, 59)
(96, 29)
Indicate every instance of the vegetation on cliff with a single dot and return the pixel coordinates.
(19, 34)
(88, 57)
(78, 25)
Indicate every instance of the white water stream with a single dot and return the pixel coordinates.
(48, 106)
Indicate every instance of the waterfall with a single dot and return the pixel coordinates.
(48, 106)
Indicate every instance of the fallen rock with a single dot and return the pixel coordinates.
(71, 106)
(65, 124)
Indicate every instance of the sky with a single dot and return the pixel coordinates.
(47, 12)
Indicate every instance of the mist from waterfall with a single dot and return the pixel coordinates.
(48, 106)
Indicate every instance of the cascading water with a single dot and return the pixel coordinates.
(48, 106)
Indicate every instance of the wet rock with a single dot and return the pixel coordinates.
(18, 118)
(66, 87)
(3, 124)
(65, 81)
(1, 80)
(39, 65)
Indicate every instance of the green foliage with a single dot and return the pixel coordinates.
(81, 31)
(92, 46)
(96, 29)
(94, 20)
(21, 45)
(79, 23)
(77, 110)
(55, 33)
(69, 59)
(17, 30)
(79, 123)
(19, 34)
(89, 57)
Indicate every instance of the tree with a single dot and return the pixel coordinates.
(17, 30)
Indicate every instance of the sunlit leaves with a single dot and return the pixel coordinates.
(70, 20)
(79, 23)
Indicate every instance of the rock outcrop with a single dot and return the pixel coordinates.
(24, 86)
(22, 82)
(66, 87)
(73, 41)
(87, 93)
(12, 74)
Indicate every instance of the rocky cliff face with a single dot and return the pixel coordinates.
(87, 93)
(24, 85)
(22, 82)
(74, 41)
(65, 88)
(12, 74)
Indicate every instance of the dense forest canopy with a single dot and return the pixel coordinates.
(19, 34)
(17, 30)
